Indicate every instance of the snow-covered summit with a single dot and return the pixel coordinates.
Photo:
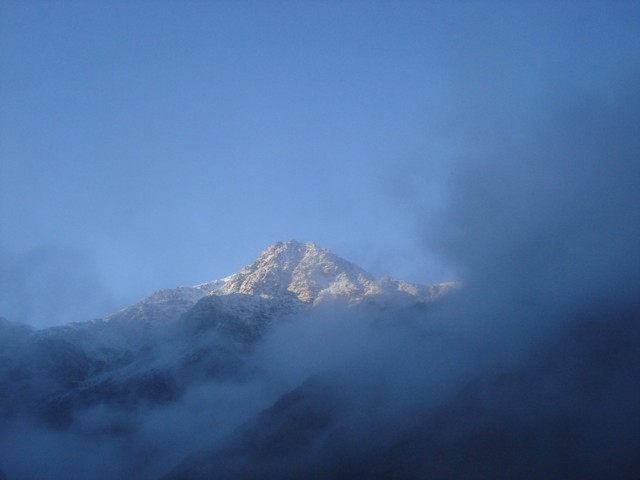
(303, 270)
(312, 274)
(286, 273)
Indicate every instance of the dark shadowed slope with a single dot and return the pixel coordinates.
(570, 412)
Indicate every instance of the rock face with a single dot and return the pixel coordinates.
(312, 274)
(155, 349)
(302, 270)
(286, 277)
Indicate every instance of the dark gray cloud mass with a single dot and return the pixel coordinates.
(559, 206)
(546, 224)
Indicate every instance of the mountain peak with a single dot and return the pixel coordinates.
(290, 248)
(290, 273)
(303, 270)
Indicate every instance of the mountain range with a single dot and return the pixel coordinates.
(153, 352)
(303, 365)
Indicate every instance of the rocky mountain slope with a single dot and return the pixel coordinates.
(155, 349)
(302, 365)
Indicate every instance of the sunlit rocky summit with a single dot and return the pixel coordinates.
(287, 277)
(312, 274)
(297, 273)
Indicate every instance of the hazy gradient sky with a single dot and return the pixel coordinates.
(153, 144)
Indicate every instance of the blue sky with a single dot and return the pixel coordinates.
(167, 143)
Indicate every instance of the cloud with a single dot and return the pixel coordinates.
(51, 285)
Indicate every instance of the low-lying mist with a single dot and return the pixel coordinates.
(51, 286)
